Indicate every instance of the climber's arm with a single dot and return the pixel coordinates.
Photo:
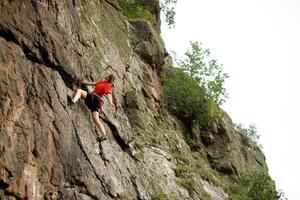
(88, 83)
(109, 98)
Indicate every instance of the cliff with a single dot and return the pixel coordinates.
(48, 150)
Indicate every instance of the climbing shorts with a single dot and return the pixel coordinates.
(93, 102)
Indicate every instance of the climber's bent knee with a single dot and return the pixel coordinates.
(82, 93)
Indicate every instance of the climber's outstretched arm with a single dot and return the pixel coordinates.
(88, 83)
(112, 105)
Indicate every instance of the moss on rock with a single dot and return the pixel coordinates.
(142, 9)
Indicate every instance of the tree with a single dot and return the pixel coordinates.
(194, 89)
(167, 7)
(207, 72)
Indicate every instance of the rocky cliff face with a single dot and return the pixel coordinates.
(48, 150)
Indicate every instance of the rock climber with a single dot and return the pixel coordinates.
(94, 102)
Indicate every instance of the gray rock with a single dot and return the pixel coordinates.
(147, 43)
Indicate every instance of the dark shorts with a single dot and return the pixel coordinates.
(93, 102)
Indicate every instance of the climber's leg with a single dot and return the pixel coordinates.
(95, 116)
(79, 94)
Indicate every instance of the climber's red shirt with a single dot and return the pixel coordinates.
(102, 88)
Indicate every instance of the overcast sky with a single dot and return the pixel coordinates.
(257, 42)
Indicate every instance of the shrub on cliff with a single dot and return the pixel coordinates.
(146, 10)
(255, 185)
(249, 133)
(149, 10)
(195, 88)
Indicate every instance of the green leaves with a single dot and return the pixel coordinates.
(255, 185)
(167, 7)
(195, 88)
(145, 10)
(149, 10)
(250, 132)
(207, 72)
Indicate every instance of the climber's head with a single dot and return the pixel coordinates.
(109, 78)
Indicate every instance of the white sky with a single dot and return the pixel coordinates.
(258, 43)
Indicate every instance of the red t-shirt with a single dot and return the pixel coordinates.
(102, 88)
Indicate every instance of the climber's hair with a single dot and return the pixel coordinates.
(110, 78)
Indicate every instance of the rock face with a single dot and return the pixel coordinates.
(48, 150)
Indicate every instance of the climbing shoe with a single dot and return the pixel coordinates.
(101, 138)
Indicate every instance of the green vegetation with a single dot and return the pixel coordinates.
(189, 167)
(193, 91)
(142, 9)
(159, 196)
(193, 187)
(162, 196)
(133, 178)
(254, 185)
(249, 133)
(149, 10)
(145, 139)
(167, 7)
(195, 88)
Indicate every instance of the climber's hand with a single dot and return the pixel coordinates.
(112, 108)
